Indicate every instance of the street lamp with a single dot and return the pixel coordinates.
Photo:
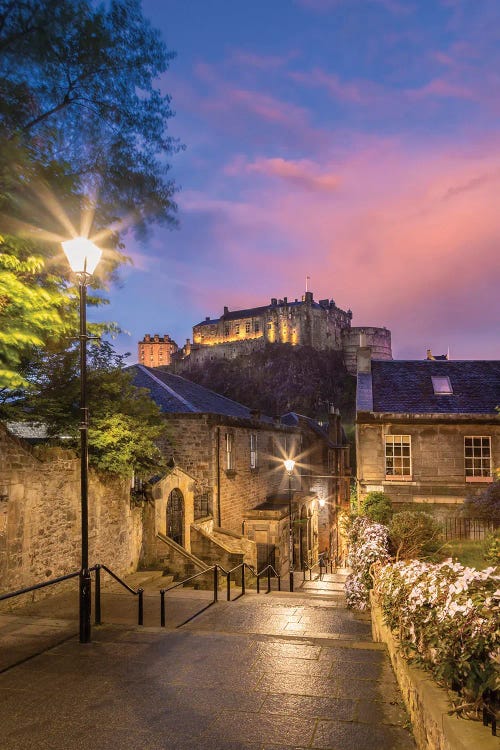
(289, 466)
(83, 257)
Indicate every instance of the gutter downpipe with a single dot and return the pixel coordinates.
(218, 478)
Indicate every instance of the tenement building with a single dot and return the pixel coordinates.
(305, 322)
(155, 351)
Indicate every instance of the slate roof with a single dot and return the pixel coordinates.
(176, 395)
(406, 387)
(293, 419)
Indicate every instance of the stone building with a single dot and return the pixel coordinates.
(155, 351)
(235, 456)
(306, 322)
(427, 431)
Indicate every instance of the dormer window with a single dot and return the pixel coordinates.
(441, 385)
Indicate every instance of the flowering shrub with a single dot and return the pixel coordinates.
(368, 543)
(447, 618)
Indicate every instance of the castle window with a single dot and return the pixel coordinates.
(477, 452)
(237, 328)
(253, 450)
(226, 331)
(247, 327)
(398, 456)
(256, 327)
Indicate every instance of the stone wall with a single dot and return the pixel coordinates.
(437, 454)
(40, 527)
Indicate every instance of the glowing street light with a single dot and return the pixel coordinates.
(289, 466)
(83, 257)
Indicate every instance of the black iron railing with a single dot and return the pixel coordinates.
(37, 586)
(139, 593)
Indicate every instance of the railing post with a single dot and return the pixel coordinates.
(97, 595)
(258, 583)
(229, 587)
(303, 575)
(291, 581)
(162, 608)
(141, 607)
(279, 583)
(216, 583)
(243, 579)
(268, 580)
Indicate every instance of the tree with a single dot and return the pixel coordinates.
(124, 422)
(77, 88)
(377, 507)
(485, 506)
(83, 132)
(414, 534)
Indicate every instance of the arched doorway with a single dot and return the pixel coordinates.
(175, 516)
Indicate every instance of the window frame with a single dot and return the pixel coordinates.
(254, 462)
(398, 474)
(229, 439)
(478, 455)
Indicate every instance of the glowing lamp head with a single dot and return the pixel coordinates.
(289, 465)
(83, 256)
(321, 501)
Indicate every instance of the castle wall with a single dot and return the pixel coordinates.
(379, 339)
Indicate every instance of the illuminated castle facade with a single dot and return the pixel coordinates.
(306, 322)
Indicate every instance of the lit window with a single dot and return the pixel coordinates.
(441, 385)
(477, 452)
(253, 450)
(247, 327)
(237, 328)
(398, 455)
(229, 451)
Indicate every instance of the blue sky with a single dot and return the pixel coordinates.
(353, 141)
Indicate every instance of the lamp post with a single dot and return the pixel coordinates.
(289, 466)
(83, 257)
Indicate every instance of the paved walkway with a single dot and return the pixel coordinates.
(269, 672)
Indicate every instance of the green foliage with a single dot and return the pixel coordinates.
(282, 378)
(377, 507)
(124, 422)
(492, 550)
(486, 505)
(77, 82)
(414, 534)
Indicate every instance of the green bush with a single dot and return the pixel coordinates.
(377, 507)
(413, 533)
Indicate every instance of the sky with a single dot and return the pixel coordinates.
(356, 142)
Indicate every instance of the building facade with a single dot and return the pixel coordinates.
(427, 432)
(236, 459)
(156, 351)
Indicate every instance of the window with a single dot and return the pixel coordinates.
(229, 451)
(441, 385)
(226, 330)
(253, 450)
(477, 452)
(398, 456)
(256, 327)
(269, 326)
(247, 327)
(237, 328)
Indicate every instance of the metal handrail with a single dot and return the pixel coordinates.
(213, 568)
(310, 568)
(139, 593)
(37, 586)
(245, 566)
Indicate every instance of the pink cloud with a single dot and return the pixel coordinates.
(409, 240)
(303, 173)
(439, 87)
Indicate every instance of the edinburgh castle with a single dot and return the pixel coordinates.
(306, 322)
